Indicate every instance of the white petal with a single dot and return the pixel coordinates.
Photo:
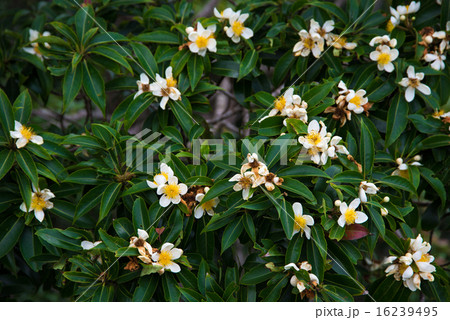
(87, 245)
(298, 208)
(37, 139)
(39, 214)
(341, 221)
(198, 212)
(361, 217)
(424, 89)
(173, 267)
(176, 253)
(22, 142)
(410, 94)
(164, 201)
(343, 207)
(166, 246)
(355, 203)
(142, 234)
(183, 188)
(144, 78)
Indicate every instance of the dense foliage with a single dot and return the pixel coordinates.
(336, 133)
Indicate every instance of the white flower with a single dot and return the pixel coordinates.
(143, 85)
(162, 177)
(171, 192)
(166, 88)
(144, 248)
(237, 28)
(296, 112)
(308, 43)
(34, 49)
(257, 167)
(349, 215)
(24, 134)
(384, 56)
(39, 202)
(340, 42)
(366, 187)
(343, 87)
(302, 222)
(384, 40)
(324, 31)
(300, 284)
(166, 256)
(202, 40)
(335, 147)
(316, 141)
(412, 82)
(356, 100)
(208, 206)
(436, 59)
(413, 7)
(88, 245)
(395, 18)
(224, 14)
(244, 182)
(281, 103)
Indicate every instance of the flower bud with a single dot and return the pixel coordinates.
(189, 30)
(428, 39)
(399, 161)
(225, 28)
(402, 17)
(337, 203)
(417, 158)
(386, 199)
(384, 212)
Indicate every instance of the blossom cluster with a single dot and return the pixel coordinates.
(413, 266)
(306, 288)
(289, 105)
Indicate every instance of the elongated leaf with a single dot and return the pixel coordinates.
(146, 288)
(397, 119)
(28, 166)
(72, 84)
(10, 231)
(231, 233)
(397, 182)
(22, 107)
(299, 188)
(248, 63)
(7, 159)
(89, 201)
(108, 199)
(219, 188)
(94, 85)
(146, 59)
(113, 55)
(6, 114)
(56, 238)
(158, 37)
(367, 150)
(195, 70)
(256, 275)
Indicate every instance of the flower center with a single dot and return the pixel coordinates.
(384, 58)
(314, 138)
(36, 49)
(414, 83)
(37, 202)
(165, 258)
(425, 258)
(356, 100)
(390, 26)
(171, 82)
(237, 28)
(27, 133)
(350, 216)
(208, 205)
(246, 182)
(145, 87)
(280, 102)
(342, 41)
(300, 222)
(201, 42)
(309, 43)
(172, 191)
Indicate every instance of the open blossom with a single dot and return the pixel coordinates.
(237, 28)
(349, 215)
(34, 49)
(143, 85)
(202, 40)
(308, 43)
(412, 82)
(384, 56)
(413, 266)
(257, 167)
(383, 40)
(207, 207)
(224, 14)
(324, 31)
(281, 103)
(165, 88)
(340, 42)
(166, 256)
(356, 100)
(39, 202)
(269, 181)
(366, 188)
(437, 60)
(316, 141)
(334, 148)
(171, 192)
(413, 7)
(244, 181)
(303, 222)
(162, 177)
(24, 135)
(301, 284)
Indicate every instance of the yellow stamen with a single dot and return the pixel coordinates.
(37, 202)
(201, 42)
(171, 191)
(280, 103)
(314, 138)
(424, 258)
(300, 223)
(384, 58)
(390, 26)
(171, 82)
(165, 258)
(356, 100)
(309, 43)
(27, 133)
(237, 28)
(208, 205)
(350, 216)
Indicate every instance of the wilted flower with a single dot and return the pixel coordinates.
(384, 56)
(301, 285)
(202, 40)
(171, 192)
(349, 215)
(140, 243)
(39, 202)
(208, 206)
(162, 177)
(366, 188)
(143, 85)
(24, 134)
(436, 59)
(237, 28)
(244, 182)
(412, 82)
(166, 256)
(257, 167)
(269, 181)
(303, 222)
(165, 88)
(340, 42)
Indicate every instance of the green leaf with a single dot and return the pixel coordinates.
(367, 150)
(397, 182)
(274, 287)
(434, 182)
(180, 169)
(146, 59)
(169, 285)
(299, 188)
(111, 54)
(108, 199)
(72, 84)
(136, 107)
(10, 231)
(256, 275)
(265, 98)
(191, 295)
(377, 219)
(397, 119)
(294, 249)
(84, 141)
(435, 141)
(183, 112)
(7, 159)
(219, 188)
(282, 68)
(104, 293)
(22, 107)
(179, 60)
(80, 277)
(89, 201)
(285, 211)
(248, 63)
(158, 37)
(231, 233)
(195, 70)
(56, 238)
(6, 114)
(278, 149)
(302, 171)
(84, 20)
(140, 215)
(147, 286)
(394, 242)
(249, 226)
(26, 163)
(317, 93)
(353, 177)
(94, 85)
(333, 9)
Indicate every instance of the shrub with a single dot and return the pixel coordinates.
(273, 151)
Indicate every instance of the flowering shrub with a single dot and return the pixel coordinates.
(265, 151)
